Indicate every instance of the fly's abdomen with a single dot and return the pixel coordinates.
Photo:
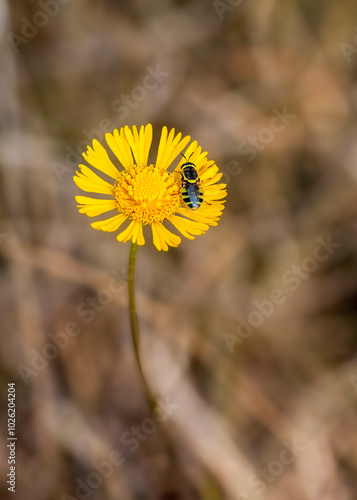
(192, 195)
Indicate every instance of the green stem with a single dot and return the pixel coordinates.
(135, 326)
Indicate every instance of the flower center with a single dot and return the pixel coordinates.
(147, 194)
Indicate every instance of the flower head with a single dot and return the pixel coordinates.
(148, 194)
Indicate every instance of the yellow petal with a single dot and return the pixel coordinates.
(199, 159)
(147, 142)
(209, 173)
(170, 147)
(93, 207)
(200, 215)
(139, 142)
(120, 147)
(98, 158)
(127, 233)
(175, 149)
(214, 193)
(89, 181)
(212, 180)
(162, 146)
(190, 151)
(138, 236)
(111, 224)
(163, 238)
(205, 166)
(212, 208)
(194, 155)
(133, 232)
(85, 200)
(188, 228)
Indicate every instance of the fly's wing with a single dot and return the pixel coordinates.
(193, 191)
(201, 196)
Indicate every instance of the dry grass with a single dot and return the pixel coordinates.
(295, 375)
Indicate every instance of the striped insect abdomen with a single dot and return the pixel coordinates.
(192, 195)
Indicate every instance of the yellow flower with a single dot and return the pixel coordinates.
(147, 194)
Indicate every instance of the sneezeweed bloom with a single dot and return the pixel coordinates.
(146, 194)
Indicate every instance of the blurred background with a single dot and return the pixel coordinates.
(248, 332)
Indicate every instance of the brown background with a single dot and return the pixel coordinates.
(295, 376)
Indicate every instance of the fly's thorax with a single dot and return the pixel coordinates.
(189, 172)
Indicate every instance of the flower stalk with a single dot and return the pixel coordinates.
(135, 327)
